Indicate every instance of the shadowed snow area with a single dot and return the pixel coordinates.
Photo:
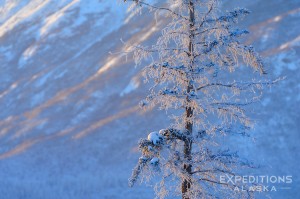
(69, 119)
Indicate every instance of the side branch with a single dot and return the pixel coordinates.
(173, 133)
(159, 8)
(241, 85)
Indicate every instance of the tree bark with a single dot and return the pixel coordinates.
(186, 183)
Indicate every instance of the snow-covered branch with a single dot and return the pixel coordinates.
(240, 85)
(156, 8)
(231, 16)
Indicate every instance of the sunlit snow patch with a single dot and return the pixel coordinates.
(31, 10)
(155, 137)
(133, 84)
(85, 10)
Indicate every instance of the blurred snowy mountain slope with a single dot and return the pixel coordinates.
(70, 122)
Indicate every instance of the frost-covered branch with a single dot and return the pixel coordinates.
(156, 8)
(241, 85)
(216, 170)
(174, 133)
(231, 16)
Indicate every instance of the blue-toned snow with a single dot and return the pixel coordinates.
(69, 122)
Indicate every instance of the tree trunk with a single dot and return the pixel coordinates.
(186, 184)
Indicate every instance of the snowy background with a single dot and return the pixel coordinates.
(69, 120)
